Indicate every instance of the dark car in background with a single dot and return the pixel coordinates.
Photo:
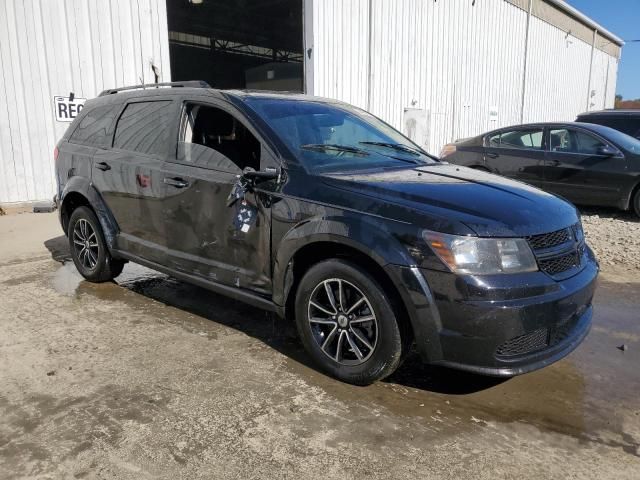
(585, 163)
(320, 212)
(626, 121)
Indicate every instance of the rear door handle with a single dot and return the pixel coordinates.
(104, 166)
(176, 182)
(492, 155)
(554, 163)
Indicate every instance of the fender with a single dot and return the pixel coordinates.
(366, 235)
(85, 188)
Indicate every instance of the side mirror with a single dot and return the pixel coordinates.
(607, 151)
(254, 176)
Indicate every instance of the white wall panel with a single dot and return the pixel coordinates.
(52, 47)
(557, 75)
(454, 61)
(340, 50)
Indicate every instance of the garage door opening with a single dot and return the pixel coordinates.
(252, 44)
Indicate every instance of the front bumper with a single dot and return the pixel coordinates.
(500, 325)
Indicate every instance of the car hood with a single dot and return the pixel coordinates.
(487, 204)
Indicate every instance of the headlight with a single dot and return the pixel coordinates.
(482, 256)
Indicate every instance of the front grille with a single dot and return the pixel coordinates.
(556, 265)
(551, 252)
(538, 339)
(522, 344)
(548, 240)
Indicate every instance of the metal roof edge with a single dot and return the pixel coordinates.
(587, 20)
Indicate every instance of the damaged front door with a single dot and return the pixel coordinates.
(222, 241)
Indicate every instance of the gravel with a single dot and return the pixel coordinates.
(614, 236)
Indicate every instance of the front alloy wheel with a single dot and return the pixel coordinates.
(343, 321)
(347, 323)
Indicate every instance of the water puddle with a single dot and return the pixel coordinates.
(592, 391)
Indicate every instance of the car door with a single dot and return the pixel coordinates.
(129, 176)
(206, 236)
(517, 153)
(580, 170)
(93, 133)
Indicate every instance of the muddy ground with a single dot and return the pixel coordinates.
(152, 378)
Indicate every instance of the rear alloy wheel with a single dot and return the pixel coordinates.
(347, 324)
(89, 249)
(85, 243)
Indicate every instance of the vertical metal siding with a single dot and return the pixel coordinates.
(455, 61)
(340, 50)
(53, 47)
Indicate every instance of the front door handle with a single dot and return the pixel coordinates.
(492, 155)
(554, 163)
(176, 182)
(104, 166)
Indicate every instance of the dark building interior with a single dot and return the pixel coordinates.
(254, 44)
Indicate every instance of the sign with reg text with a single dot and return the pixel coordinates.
(66, 108)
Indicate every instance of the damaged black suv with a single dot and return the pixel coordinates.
(319, 211)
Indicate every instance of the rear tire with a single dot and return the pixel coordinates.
(89, 249)
(354, 336)
(635, 203)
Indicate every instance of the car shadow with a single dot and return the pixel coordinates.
(273, 331)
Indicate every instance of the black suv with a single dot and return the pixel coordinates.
(625, 121)
(319, 211)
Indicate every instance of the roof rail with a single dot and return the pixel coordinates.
(191, 83)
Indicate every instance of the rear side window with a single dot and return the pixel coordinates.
(96, 127)
(144, 127)
(519, 139)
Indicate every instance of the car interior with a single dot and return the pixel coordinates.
(216, 129)
(570, 141)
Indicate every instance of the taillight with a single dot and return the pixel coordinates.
(447, 150)
(55, 154)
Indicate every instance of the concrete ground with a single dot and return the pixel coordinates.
(152, 378)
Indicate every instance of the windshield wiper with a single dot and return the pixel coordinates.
(334, 147)
(396, 146)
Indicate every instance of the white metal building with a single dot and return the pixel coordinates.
(436, 69)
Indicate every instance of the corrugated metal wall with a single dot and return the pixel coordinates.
(456, 66)
(52, 47)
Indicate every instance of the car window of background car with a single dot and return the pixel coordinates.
(623, 140)
(143, 127)
(95, 128)
(521, 139)
(624, 124)
(301, 123)
(572, 141)
(213, 138)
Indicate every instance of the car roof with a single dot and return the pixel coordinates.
(612, 112)
(148, 92)
(600, 129)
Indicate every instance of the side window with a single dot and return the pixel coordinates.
(143, 127)
(212, 138)
(572, 141)
(96, 127)
(530, 139)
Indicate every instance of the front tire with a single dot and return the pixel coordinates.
(89, 249)
(347, 324)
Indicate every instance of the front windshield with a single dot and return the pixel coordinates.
(623, 140)
(337, 137)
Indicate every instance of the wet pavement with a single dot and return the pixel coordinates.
(150, 377)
